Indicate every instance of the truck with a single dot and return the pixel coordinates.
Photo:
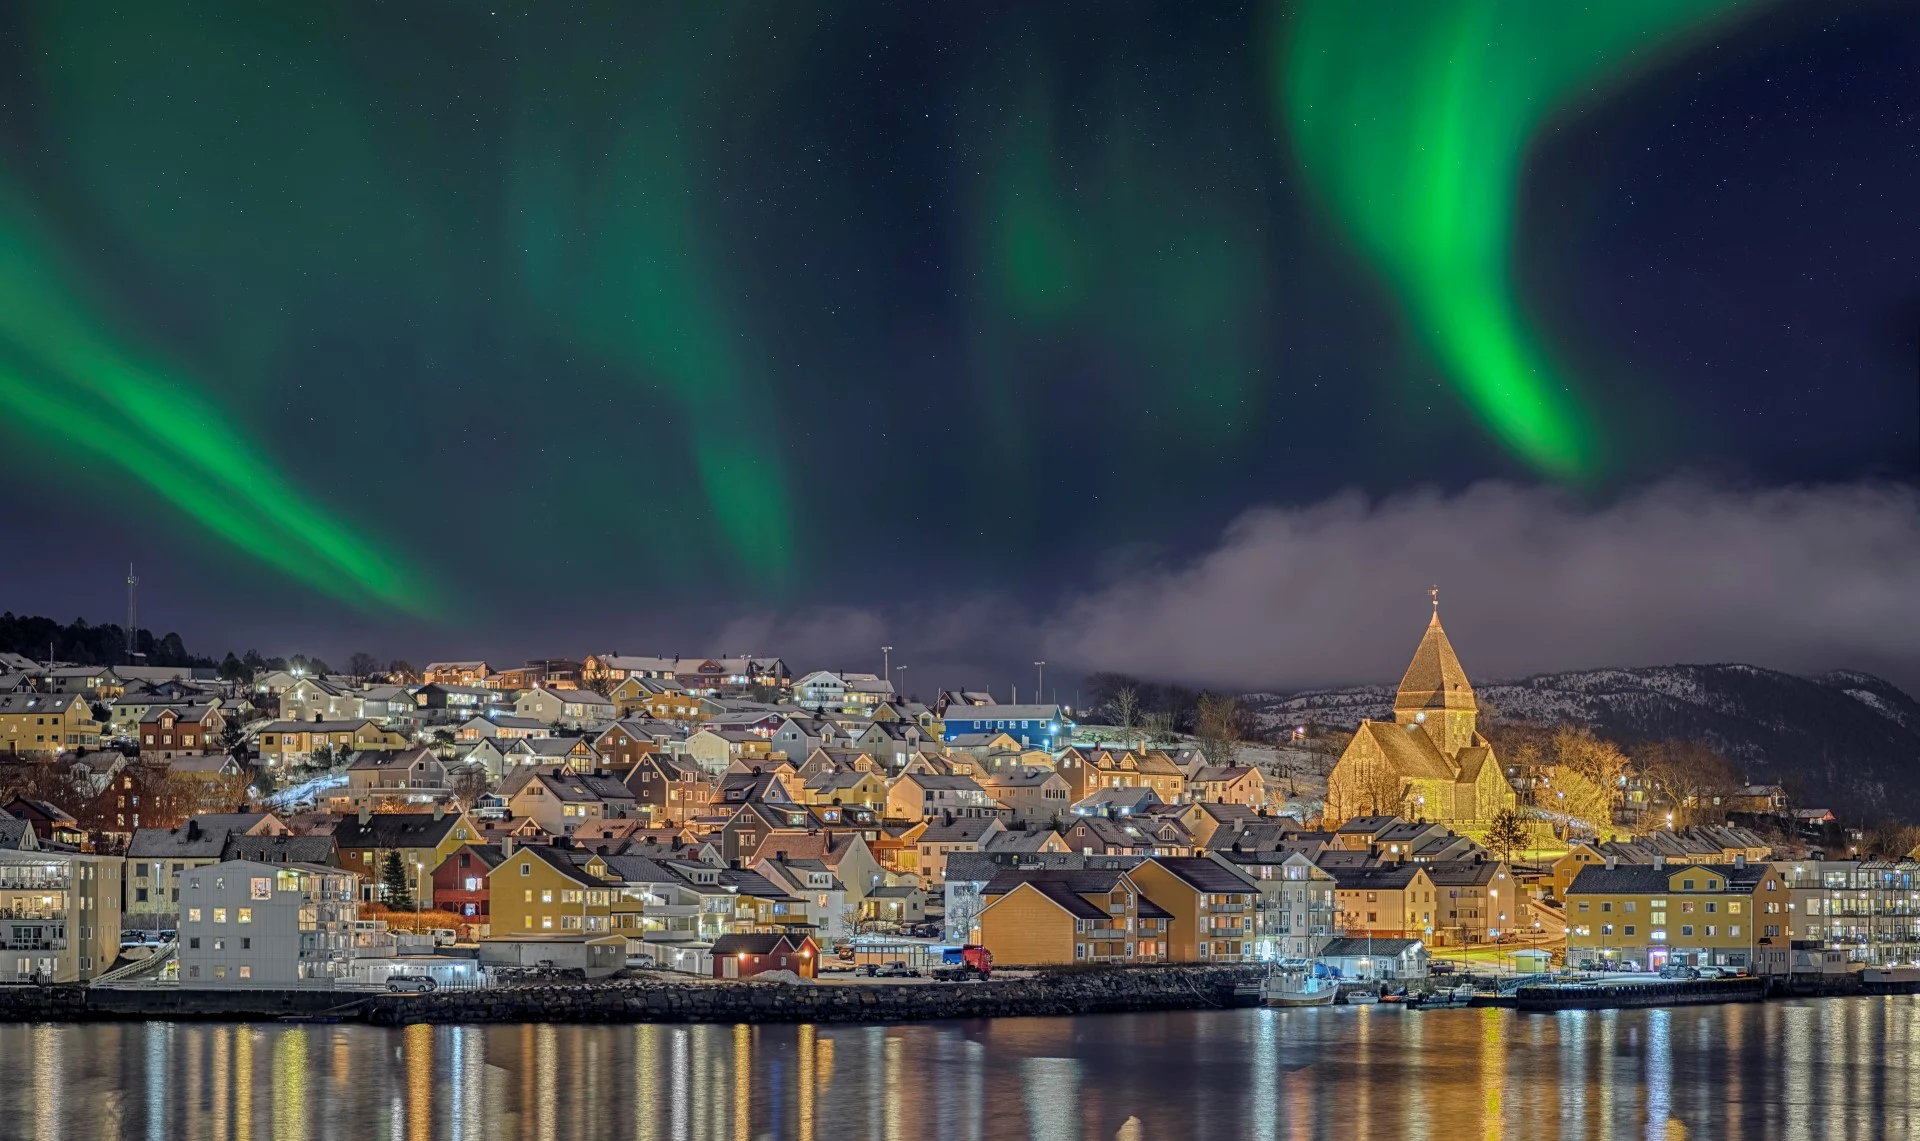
(962, 963)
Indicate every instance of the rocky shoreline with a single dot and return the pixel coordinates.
(660, 998)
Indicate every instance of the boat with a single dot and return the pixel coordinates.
(1443, 998)
(1362, 997)
(1297, 988)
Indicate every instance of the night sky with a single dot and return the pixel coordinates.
(1188, 338)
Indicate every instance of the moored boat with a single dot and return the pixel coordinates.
(1297, 988)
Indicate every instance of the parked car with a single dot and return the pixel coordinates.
(444, 937)
(1712, 973)
(1679, 971)
(1434, 968)
(866, 970)
(411, 984)
(642, 962)
(896, 970)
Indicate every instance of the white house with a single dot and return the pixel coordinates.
(572, 708)
(249, 924)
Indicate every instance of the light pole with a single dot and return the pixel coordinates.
(1040, 682)
(886, 660)
(900, 687)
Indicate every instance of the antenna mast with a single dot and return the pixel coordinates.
(133, 615)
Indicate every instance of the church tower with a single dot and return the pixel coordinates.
(1435, 692)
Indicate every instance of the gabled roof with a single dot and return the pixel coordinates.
(1205, 875)
(280, 849)
(1409, 750)
(376, 759)
(395, 830)
(963, 830)
(1380, 877)
(755, 944)
(1346, 948)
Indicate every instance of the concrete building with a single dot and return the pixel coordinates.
(59, 913)
(249, 924)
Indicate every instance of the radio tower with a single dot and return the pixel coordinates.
(133, 615)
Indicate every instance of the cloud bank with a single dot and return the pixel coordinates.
(1801, 579)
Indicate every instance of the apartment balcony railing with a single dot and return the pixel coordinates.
(38, 913)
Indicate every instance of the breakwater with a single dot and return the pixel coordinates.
(656, 998)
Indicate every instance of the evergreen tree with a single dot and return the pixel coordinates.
(394, 886)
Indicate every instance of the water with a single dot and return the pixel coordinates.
(1814, 1069)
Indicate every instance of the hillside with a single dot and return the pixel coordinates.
(1846, 741)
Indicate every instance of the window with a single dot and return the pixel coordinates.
(246, 944)
(193, 915)
(1606, 905)
(1733, 907)
(1686, 885)
(546, 896)
(1712, 907)
(1686, 929)
(193, 944)
(1606, 929)
(219, 915)
(526, 869)
(1583, 907)
(246, 972)
(1628, 929)
(245, 915)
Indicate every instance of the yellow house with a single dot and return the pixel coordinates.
(653, 697)
(863, 788)
(1212, 906)
(287, 742)
(1038, 916)
(424, 840)
(1695, 914)
(46, 724)
(1394, 901)
(538, 890)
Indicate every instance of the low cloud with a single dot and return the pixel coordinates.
(1531, 580)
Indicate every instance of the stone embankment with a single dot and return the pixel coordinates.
(663, 999)
(656, 998)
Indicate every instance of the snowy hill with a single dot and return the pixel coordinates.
(1847, 741)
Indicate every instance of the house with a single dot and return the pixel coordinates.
(169, 731)
(298, 742)
(155, 857)
(862, 788)
(552, 673)
(568, 708)
(445, 703)
(1228, 784)
(893, 909)
(831, 692)
(917, 796)
(1048, 916)
(52, 824)
(59, 911)
(456, 673)
(281, 849)
(1391, 900)
(1146, 836)
(576, 753)
(892, 743)
(715, 750)
(316, 699)
(668, 791)
(1397, 958)
(1211, 902)
(461, 886)
(947, 835)
(423, 840)
(750, 822)
(1089, 770)
(800, 736)
(282, 926)
(501, 726)
(1476, 901)
(642, 697)
(1296, 910)
(540, 889)
(815, 882)
(700, 676)
(622, 744)
(563, 801)
(1035, 796)
(398, 775)
(1042, 725)
(47, 724)
(743, 956)
(844, 854)
(1697, 914)
(1117, 803)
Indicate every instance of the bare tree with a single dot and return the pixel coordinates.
(1506, 833)
(1218, 723)
(469, 783)
(1126, 704)
(1690, 776)
(363, 665)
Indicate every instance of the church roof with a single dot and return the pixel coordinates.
(1409, 750)
(1434, 679)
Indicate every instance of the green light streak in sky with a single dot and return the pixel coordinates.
(1413, 118)
(70, 382)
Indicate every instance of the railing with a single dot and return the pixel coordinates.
(37, 913)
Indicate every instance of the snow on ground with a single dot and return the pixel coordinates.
(306, 792)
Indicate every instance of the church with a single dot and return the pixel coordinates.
(1430, 762)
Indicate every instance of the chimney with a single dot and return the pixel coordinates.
(366, 815)
(1659, 861)
(506, 846)
(1611, 862)
(1740, 860)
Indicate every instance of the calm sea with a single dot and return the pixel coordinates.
(1814, 1069)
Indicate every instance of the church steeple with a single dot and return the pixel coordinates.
(1435, 691)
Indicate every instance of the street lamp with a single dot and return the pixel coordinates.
(1040, 683)
(886, 660)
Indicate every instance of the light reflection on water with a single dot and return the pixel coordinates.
(1819, 1069)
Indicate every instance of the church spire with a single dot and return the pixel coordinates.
(1434, 680)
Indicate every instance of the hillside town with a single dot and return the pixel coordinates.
(725, 819)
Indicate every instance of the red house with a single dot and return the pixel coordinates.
(743, 956)
(460, 885)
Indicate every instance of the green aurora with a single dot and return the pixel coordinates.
(1413, 117)
(730, 297)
